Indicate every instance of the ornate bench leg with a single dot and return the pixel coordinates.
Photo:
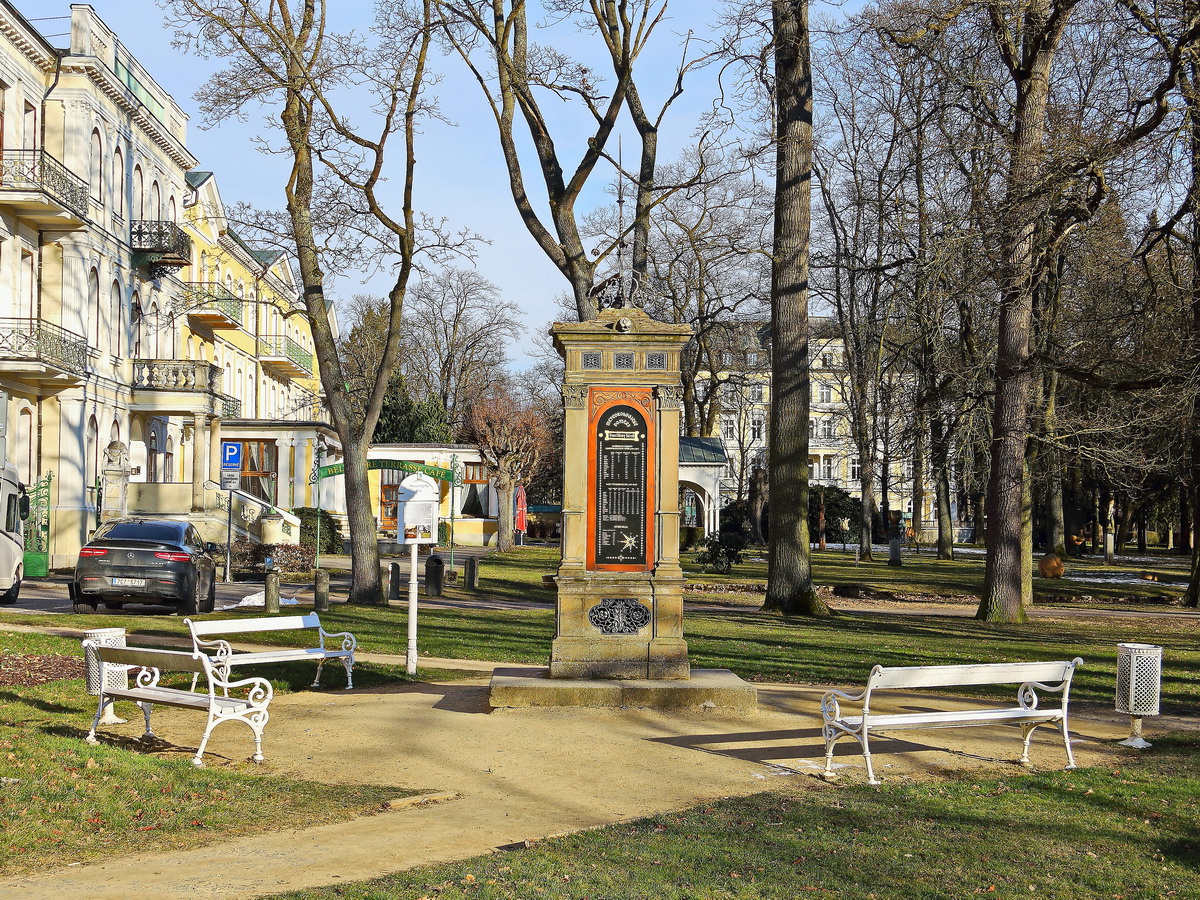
(866, 748)
(146, 707)
(198, 759)
(348, 662)
(1062, 726)
(317, 679)
(104, 701)
(1027, 730)
(258, 722)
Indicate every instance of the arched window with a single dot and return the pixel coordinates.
(152, 456)
(154, 210)
(115, 306)
(171, 209)
(152, 334)
(118, 182)
(169, 462)
(137, 324)
(114, 432)
(91, 459)
(24, 456)
(93, 309)
(137, 209)
(204, 267)
(96, 167)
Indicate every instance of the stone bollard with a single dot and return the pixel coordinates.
(470, 573)
(271, 604)
(321, 591)
(393, 583)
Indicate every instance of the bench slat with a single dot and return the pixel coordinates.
(171, 660)
(174, 697)
(983, 673)
(949, 718)
(297, 654)
(237, 626)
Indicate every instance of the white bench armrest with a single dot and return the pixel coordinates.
(348, 640)
(260, 690)
(831, 709)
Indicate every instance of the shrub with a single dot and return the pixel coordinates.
(689, 537)
(444, 534)
(284, 557)
(331, 531)
(722, 552)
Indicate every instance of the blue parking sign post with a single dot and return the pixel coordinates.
(231, 467)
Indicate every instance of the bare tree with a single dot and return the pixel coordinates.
(457, 330)
(284, 56)
(498, 31)
(512, 434)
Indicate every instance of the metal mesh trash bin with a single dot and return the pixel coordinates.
(116, 676)
(1139, 684)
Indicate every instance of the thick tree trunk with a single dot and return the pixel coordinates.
(918, 476)
(939, 449)
(758, 499)
(789, 574)
(1005, 593)
(505, 492)
(866, 490)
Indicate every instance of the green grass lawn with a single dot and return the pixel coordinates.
(1128, 832)
(1131, 832)
(63, 801)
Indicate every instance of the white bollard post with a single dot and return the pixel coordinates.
(412, 613)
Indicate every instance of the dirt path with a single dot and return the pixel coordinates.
(520, 775)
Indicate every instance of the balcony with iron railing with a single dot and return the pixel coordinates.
(31, 349)
(181, 386)
(284, 356)
(41, 190)
(159, 245)
(211, 304)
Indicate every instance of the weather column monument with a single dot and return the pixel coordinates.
(619, 611)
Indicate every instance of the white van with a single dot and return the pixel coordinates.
(14, 506)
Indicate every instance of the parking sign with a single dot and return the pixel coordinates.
(231, 455)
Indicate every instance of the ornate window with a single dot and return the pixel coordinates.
(590, 361)
(656, 360)
(622, 360)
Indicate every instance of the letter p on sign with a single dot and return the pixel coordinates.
(231, 455)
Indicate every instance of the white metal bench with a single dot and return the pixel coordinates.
(224, 655)
(1031, 677)
(248, 704)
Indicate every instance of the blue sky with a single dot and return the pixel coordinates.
(461, 175)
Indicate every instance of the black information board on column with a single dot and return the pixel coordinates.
(622, 468)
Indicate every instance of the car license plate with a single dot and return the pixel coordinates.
(129, 582)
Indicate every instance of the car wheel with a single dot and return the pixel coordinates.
(83, 608)
(10, 596)
(211, 603)
(189, 606)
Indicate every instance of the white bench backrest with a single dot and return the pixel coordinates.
(163, 660)
(239, 626)
(1049, 673)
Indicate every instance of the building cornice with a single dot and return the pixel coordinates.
(94, 70)
(24, 38)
